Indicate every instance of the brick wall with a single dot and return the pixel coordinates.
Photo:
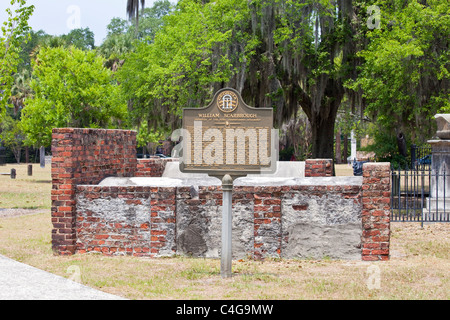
(318, 168)
(376, 211)
(113, 220)
(268, 220)
(132, 220)
(187, 220)
(84, 156)
(152, 167)
(162, 221)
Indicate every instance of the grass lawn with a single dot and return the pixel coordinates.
(27, 192)
(418, 268)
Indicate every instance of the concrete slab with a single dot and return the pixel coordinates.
(244, 181)
(19, 281)
(287, 173)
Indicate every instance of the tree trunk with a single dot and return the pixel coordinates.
(27, 155)
(322, 133)
(322, 145)
(345, 153)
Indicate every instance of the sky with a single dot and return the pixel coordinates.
(57, 17)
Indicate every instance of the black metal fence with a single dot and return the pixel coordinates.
(420, 194)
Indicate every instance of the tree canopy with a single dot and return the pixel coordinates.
(72, 88)
(405, 76)
(14, 33)
(279, 54)
(383, 61)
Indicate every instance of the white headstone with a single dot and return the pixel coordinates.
(353, 146)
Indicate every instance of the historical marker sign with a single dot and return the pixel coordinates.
(228, 137)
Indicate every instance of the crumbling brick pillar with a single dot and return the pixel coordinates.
(84, 156)
(376, 197)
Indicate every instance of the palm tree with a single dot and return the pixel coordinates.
(133, 10)
(20, 90)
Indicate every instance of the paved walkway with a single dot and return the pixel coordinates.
(19, 281)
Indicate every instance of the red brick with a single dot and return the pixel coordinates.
(300, 207)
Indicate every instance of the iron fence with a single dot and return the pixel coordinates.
(420, 157)
(420, 194)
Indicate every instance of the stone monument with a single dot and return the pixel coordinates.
(439, 199)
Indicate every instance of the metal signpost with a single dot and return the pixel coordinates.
(228, 139)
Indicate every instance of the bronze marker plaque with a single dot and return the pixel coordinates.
(228, 137)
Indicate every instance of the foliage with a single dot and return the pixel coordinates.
(405, 75)
(385, 147)
(122, 34)
(71, 88)
(28, 49)
(14, 33)
(20, 89)
(12, 135)
(80, 38)
(180, 67)
(146, 137)
(310, 46)
(315, 57)
(279, 54)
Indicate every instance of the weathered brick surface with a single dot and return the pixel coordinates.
(84, 156)
(113, 220)
(162, 221)
(376, 211)
(152, 167)
(187, 220)
(132, 220)
(318, 168)
(267, 221)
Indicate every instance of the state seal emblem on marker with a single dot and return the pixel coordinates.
(227, 101)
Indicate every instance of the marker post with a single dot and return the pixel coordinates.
(226, 254)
